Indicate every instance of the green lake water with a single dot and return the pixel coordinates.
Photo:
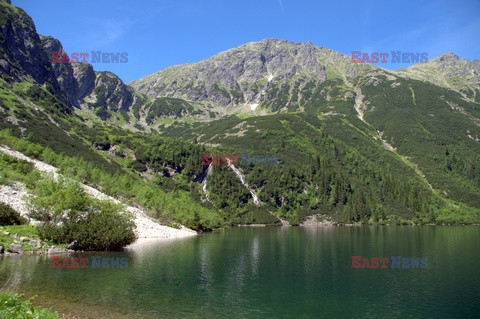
(268, 272)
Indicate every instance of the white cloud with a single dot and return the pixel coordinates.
(280, 2)
(107, 31)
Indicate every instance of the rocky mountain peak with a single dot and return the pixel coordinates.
(465, 66)
(450, 71)
(448, 56)
(243, 74)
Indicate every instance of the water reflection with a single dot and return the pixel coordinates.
(266, 272)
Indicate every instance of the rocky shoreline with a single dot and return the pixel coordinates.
(26, 245)
(318, 220)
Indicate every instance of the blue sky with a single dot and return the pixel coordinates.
(157, 34)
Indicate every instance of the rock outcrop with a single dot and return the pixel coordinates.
(27, 56)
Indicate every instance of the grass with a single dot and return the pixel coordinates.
(22, 230)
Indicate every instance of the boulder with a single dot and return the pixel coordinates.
(16, 248)
(73, 245)
(53, 251)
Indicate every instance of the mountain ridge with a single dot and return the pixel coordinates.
(192, 70)
(224, 77)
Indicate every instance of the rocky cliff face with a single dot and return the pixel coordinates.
(22, 53)
(77, 80)
(27, 56)
(111, 93)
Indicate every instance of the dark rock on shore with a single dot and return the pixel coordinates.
(73, 245)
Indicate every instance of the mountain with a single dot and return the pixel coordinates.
(426, 116)
(254, 74)
(266, 73)
(27, 56)
(449, 71)
(354, 142)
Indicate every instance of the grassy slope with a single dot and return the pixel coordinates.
(418, 120)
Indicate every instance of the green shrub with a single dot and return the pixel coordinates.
(56, 201)
(104, 227)
(12, 306)
(67, 213)
(12, 169)
(9, 216)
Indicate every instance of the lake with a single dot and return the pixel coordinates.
(268, 272)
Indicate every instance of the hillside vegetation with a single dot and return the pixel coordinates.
(355, 142)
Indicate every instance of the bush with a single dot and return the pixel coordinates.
(9, 216)
(68, 214)
(56, 201)
(104, 227)
(12, 169)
